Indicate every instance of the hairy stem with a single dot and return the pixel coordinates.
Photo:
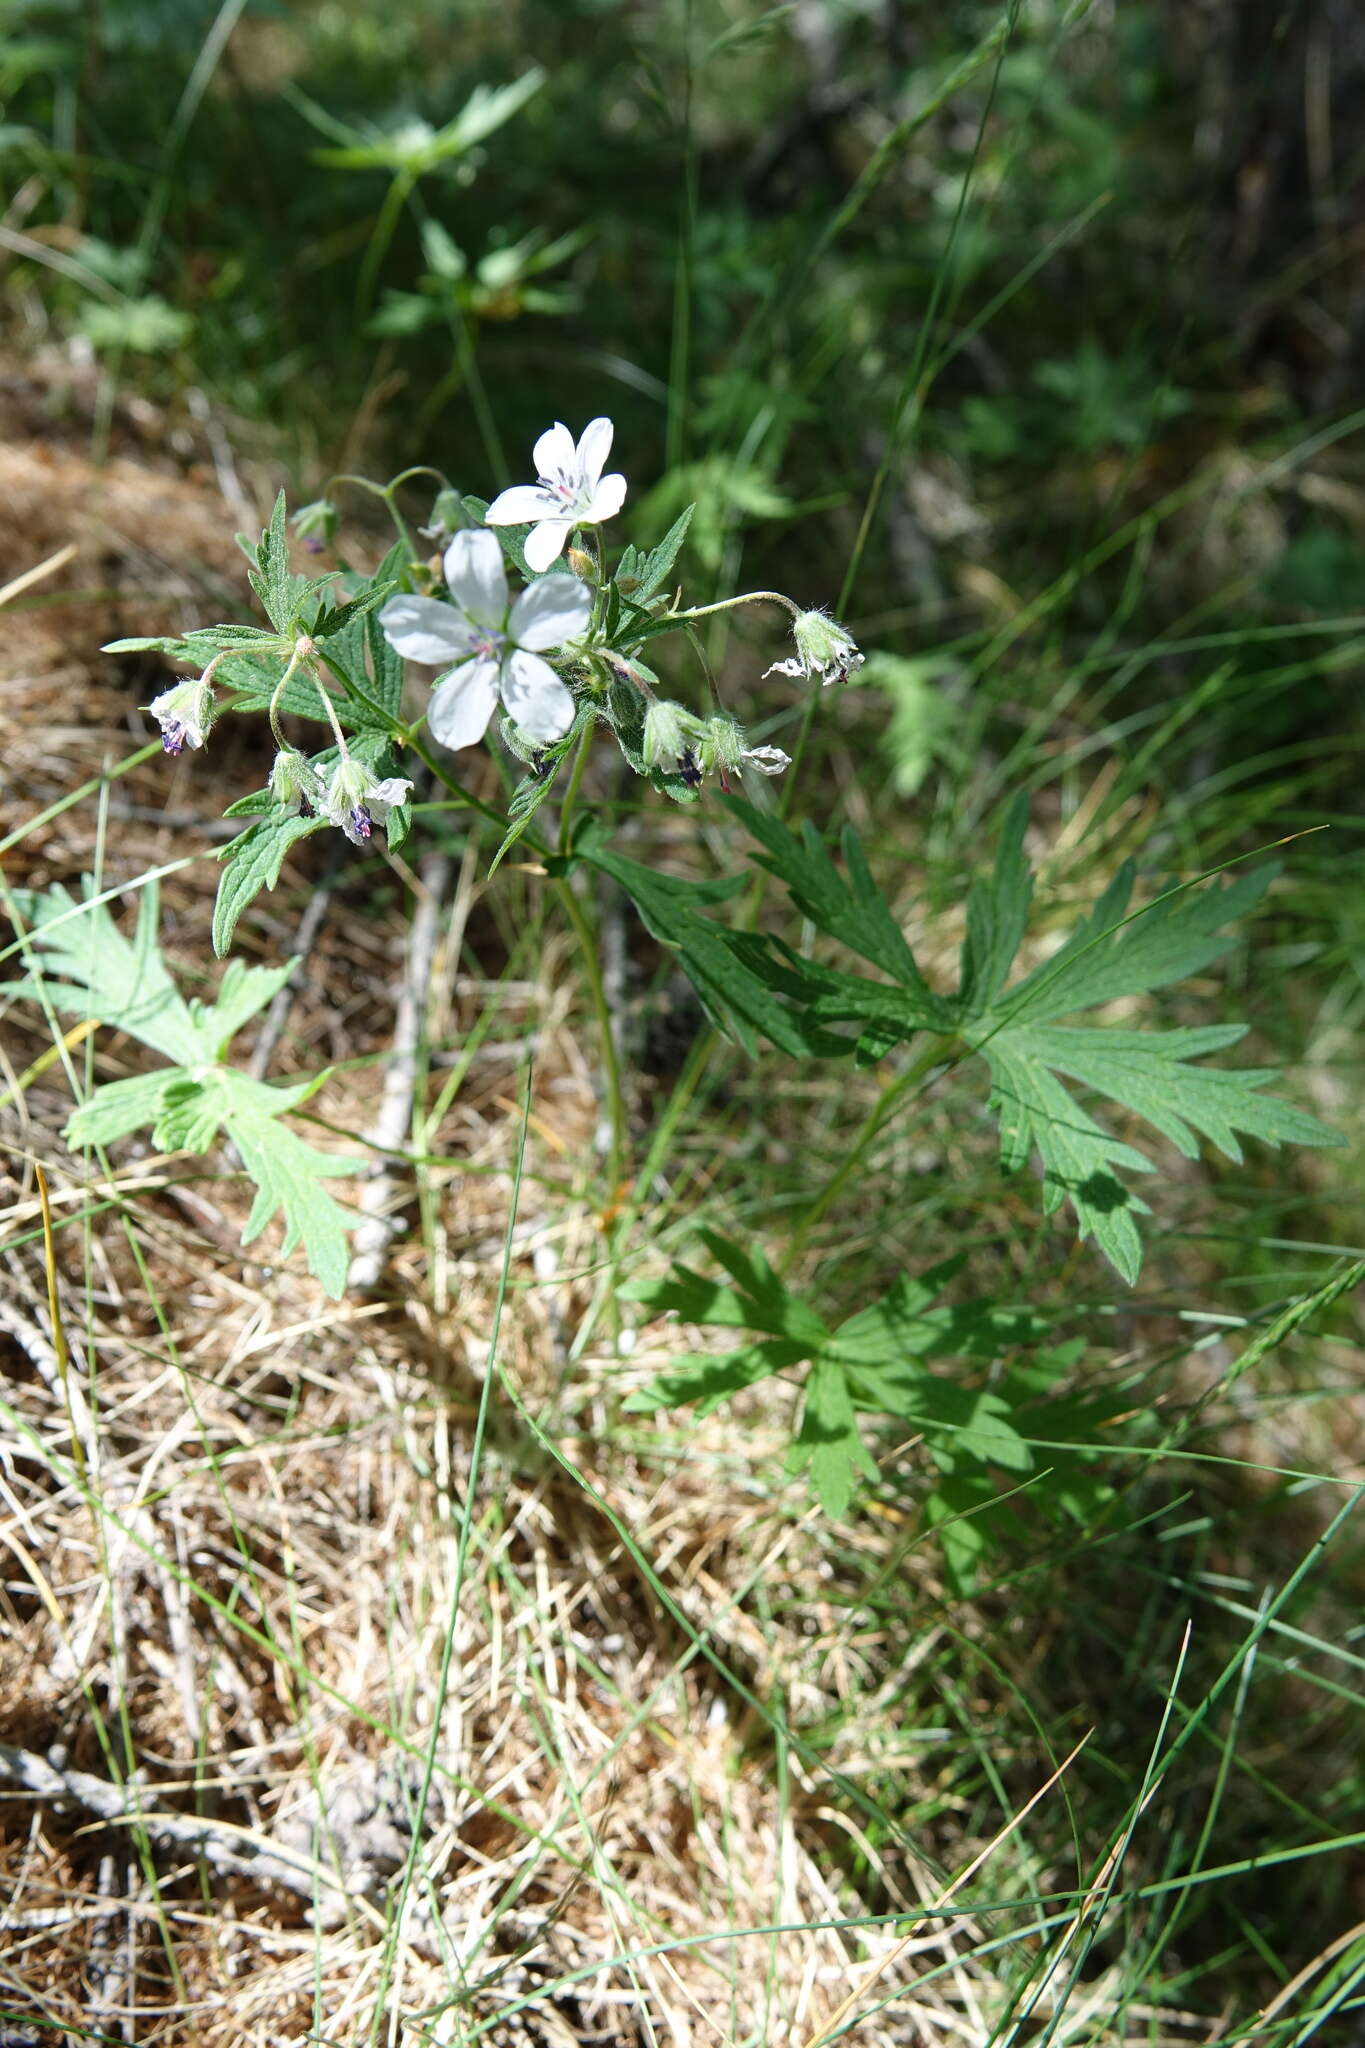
(727, 604)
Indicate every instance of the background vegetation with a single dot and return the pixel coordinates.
(1029, 338)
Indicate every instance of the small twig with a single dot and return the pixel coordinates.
(390, 1129)
(110, 1964)
(232, 1851)
(36, 574)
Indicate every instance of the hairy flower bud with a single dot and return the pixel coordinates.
(316, 524)
(448, 516)
(722, 744)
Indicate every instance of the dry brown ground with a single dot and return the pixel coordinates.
(477, 1787)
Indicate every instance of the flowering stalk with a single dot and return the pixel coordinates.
(303, 647)
(727, 604)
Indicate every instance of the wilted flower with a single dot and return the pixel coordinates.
(357, 801)
(497, 648)
(295, 784)
(570, 490)
(692, 748)
(722, 747)
(765, 760)
(823, 649)
(184, 713)
(671, 737)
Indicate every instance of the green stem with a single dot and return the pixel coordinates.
(330, 708)
(399, 521)
(592, 967)
(442, 774)
(611, 1065)
(940, 1051)
(570, 804)
(394, 200)
(727, 604)
(799, 749)
(275, 696)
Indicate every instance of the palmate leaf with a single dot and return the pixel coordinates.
(828, 1444)
(252, 862)
(718, 963)
(1151, 1074)
(875, 1362)
(287, 1172)
(644, 572)
(282, 594)
(80, 961)
(758, 984)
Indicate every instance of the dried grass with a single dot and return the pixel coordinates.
(233, 1530)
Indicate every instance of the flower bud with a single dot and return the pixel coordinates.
(316, 524)
(722, 745)
(447, 517)
(582, 564)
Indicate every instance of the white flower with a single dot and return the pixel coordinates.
(570, 491)
(497, 650)
(823, 649)
(357, 800)
(184, 713)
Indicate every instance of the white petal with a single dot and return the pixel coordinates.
(522, 504)
(462, 704)
(477, 579)
(545, 543)
(593, 450)
(535, 697)
(554, 609)
(767, 760)
(388, 795)
(554, 453)
(420, 629)
(607, 498)
(793, 667)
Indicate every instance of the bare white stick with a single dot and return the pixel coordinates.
(232, 1851)
(389, 1132)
